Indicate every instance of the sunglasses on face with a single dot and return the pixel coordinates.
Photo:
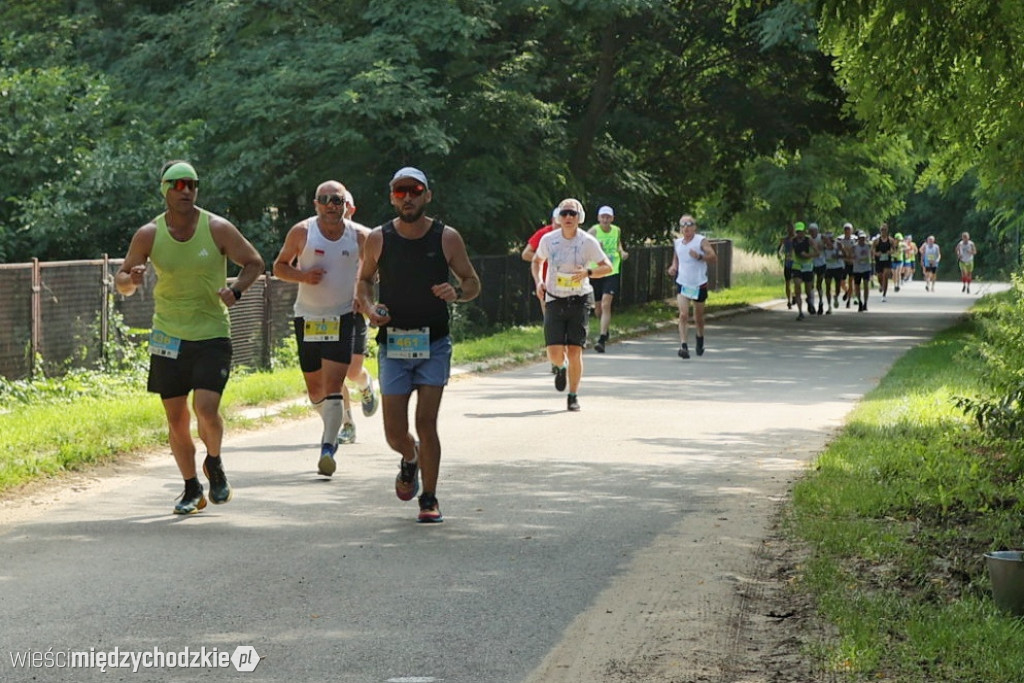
(687, 224)
(408, 191)
(568, 212)
(181, 183)
(326, 199)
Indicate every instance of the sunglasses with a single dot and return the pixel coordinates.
(408, 190)
(687, 224)
(326, 199)
(568, 212)
(180, 184)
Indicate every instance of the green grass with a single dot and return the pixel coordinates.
(898, 513)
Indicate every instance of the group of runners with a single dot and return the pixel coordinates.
(820, 269)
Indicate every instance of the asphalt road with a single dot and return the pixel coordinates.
(576, 546)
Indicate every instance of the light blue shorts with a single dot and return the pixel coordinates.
(399, 376)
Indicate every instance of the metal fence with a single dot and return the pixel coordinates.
(59, 314)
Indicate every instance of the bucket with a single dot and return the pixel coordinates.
(1006, 569)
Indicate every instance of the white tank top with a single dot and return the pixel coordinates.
(692, 272)
(340, 261)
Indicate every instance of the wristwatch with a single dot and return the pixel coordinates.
(237, 292)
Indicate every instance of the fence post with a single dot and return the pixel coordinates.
(268, 319)
(37, 315)
(105, 308)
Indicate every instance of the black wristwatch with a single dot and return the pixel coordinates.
(458, 294)
(589, 272)
(237, 292)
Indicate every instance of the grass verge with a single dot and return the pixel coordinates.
(898, 513)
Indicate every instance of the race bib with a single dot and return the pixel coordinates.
(163, 344)
(321, 329)
(409, 343)
(565, 281)
(689, 292)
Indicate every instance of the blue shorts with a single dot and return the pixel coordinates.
(399, 376)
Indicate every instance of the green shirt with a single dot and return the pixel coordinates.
(609, 245)
(189, 276)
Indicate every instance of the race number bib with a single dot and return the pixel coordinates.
(321, 329)
(163, 344)
(689, 292)
(566, 281)
(409, 343)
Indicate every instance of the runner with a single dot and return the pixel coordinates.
(691, 254)
(803, 269)
(785, 251)
(321, 254)
(415, 256)
(965, 253)
(883, 251)
(568, 291)
(818, 264)
(357, 375)
(835, 270)
(190, 343)
(862, 266)
(930, 257)
(847, 241)
(605, 288)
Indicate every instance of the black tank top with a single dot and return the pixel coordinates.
(408, 269)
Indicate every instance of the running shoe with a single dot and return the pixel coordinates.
(220, 490)
(407, 483)
(821, 308)
(573, 404)
(192, 498)
(700, 346)
(599, 346)
(430, 511)
(560, 379)
(327, 464)
(347, 433)
(801, 316)
(370, 400)
(684, 352)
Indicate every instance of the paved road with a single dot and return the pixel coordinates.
(600, 545)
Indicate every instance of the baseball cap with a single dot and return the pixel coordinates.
(812, 226)
(898, 235)
(799, 226)
(847, 225)
(605, 210)
(410, 172)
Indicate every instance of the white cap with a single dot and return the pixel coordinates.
(605, 210)
(410, 172)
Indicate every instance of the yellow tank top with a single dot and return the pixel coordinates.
(189, 277)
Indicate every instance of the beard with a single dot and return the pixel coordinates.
(412, 217)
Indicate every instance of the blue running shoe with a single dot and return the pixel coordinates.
(327, 465)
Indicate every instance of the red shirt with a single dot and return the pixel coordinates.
(534, 242)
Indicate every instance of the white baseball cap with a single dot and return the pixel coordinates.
(605, 210)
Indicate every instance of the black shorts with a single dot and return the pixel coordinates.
(202, 364)
(803, 275)
(836, 274)
(702, 293)
(861, 277)
(787, 272)
(605, 285)
(359, 335)
(849, 269)
(312, 354)
(883, 266)
(820, 270)
(565, 321)
(931, 269)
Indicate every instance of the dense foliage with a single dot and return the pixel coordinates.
(655, 107)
